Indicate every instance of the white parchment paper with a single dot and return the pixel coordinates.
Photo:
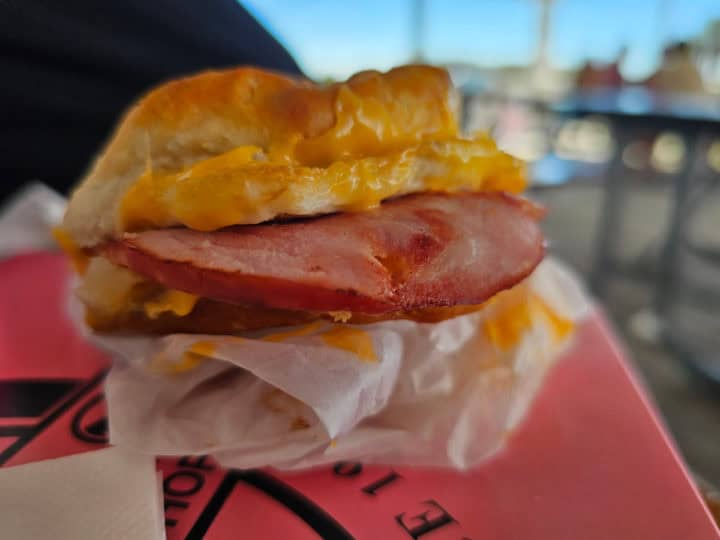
(438, 394)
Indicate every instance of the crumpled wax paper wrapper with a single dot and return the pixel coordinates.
(395, 392)
(27, 218)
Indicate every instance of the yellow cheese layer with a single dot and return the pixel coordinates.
(354, 340)
(512, 318)
(78, 259)
(110, 290)
(376, 148)
(250, 185)
(347, 338)
(306, 330)
(388, 136)
(179, 303)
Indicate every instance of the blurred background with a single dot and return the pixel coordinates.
(615, 105)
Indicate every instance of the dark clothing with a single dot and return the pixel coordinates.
(69, 68)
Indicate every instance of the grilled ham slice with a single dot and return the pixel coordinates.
(416, 252)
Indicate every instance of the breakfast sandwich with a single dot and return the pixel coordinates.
(243, 199)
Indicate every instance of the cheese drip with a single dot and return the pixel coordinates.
(109, 291)
(178, 303)
(514, 312)
(353, 340)
(246, 185)
(78, 259)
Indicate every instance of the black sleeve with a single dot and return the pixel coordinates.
(69, 68)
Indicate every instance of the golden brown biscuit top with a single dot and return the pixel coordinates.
(246, 146)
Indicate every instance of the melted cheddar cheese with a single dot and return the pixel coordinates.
(514, 312)
(352, 340)
(78, 259)
(301, 331)
(110, 291)
(248, 186)
(346, 338)
(372, 151)
(202, 348)
(178, 303)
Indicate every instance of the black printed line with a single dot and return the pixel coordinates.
(11, 450)
(15, 431)
(213, 507)
(319, 520)
(323, 524)
(32, 398)
(95, 433)
(48, 380)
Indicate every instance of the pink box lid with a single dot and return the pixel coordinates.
(591, 460)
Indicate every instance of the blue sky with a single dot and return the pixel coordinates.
(338, 37)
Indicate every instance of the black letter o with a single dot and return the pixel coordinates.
(197, 478)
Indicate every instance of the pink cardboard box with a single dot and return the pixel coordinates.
(591, 461)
